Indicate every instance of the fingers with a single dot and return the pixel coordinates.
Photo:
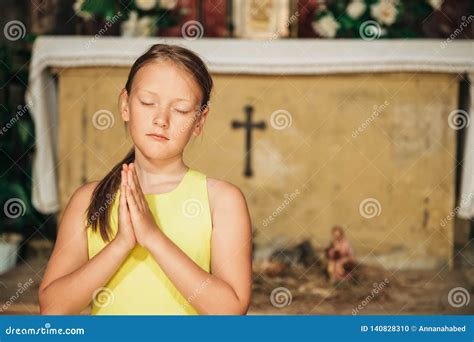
(131, 187)
(135, 178)
(122, 199)
(125, 170)
(123, 180)
(123, 213)
(132, 203)
(123, 209)
(131, 182)
(130, 177)
(134, 184)
(140, 196)
(122, 194)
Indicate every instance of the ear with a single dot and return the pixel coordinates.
(124, 109)
(200, 121)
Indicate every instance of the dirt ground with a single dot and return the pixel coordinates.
(302, 291)
(374, 292)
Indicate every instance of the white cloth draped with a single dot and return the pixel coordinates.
(466, 200)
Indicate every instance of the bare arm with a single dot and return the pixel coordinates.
(71, 278)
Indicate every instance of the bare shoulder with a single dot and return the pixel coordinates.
(80, 199)
(223, 190)
(224, 195)
(83, 194)
(87, 189)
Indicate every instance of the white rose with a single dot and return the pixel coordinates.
(133, 16)
(327, 26)
(129, 26)
(168, 4)
(384, 12)
(144, 27)
(145, 5)
(77, 6)
(436, 4)
(356, 8)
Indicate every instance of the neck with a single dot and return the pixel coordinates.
(153, 173)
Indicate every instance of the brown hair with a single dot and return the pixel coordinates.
(98, 212)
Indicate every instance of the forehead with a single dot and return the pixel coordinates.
(165, 78)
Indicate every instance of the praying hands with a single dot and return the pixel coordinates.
(136, 222)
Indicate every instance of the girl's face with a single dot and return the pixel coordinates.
(164, 100)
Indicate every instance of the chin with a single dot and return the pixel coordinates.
(157, 152)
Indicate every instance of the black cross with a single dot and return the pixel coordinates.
(248, 125)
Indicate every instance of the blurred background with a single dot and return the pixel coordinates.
(345, 124)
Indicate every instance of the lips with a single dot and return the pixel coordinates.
(159, 137)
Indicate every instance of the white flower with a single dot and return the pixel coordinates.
(384, 11)
(144, 27)
(326, 26)
(129, 26)
(77, 6)
(436, 4)
(168, 4)
(137, 27)
(356, 8)
(145, 5)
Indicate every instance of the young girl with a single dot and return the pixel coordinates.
(154, 237)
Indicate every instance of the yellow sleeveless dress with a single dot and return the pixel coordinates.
(140, 287)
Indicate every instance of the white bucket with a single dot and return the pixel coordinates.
(9, 243)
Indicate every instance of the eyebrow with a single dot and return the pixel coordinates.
(152, 92)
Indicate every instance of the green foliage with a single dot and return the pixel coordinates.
(108, 8)
(101, 9)
(17, 147)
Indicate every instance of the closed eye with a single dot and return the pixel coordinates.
(146, 103)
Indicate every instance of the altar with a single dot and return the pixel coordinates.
(316, 133)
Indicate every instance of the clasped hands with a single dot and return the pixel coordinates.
(136, 223)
